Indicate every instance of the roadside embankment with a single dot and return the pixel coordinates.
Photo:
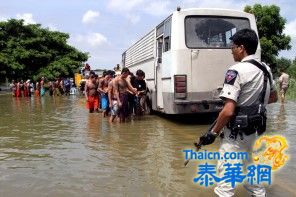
(4, 89)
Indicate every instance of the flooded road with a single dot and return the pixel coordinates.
(54, 147)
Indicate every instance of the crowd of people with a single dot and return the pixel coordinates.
(118, 96)
(29, 88)
(21, 88)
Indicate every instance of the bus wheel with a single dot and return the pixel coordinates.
(148, 109)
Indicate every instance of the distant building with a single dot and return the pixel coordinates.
(99, 72)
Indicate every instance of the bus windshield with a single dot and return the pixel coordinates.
(212, 31)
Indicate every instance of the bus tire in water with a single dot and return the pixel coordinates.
(148, 106)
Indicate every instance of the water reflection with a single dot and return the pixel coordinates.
(280, 119)
(93, 126)
(52, 145)
(161, 158)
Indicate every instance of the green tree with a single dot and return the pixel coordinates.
(30, 51)
(292, 69)
(283, 63)
(270, 26)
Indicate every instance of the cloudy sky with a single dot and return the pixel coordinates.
(105, 28)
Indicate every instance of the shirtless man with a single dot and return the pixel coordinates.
(61, 86)
(26, 88)
(13, 88)
(103, 89)
(56, 91)
(18, 89)
(91, 94)
(99, 95)
(113, 104)
(37, 89)
(42, 89)
(121, 87)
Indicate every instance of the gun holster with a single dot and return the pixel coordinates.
(248, 120)
(240, 122)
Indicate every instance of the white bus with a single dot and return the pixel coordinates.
(185, 58)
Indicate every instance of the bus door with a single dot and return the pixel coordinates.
(159, 100)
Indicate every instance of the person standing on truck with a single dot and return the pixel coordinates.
(86, 70)
(248, 87)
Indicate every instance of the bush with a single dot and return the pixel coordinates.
(291, 92)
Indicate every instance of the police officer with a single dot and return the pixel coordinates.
(243, 88)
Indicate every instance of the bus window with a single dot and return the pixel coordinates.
(167, 44)
(159, 50)
(159, 34)
(212, 32)
(167, 35)
(123, 58)
(159, 30)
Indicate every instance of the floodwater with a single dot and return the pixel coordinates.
(54, 147)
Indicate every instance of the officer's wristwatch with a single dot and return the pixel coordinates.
(214, 133)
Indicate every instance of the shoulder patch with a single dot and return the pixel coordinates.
(230, 77)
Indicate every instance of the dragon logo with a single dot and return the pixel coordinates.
(274, 151)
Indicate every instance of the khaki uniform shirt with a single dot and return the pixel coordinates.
(284, 80)
(244, 83)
